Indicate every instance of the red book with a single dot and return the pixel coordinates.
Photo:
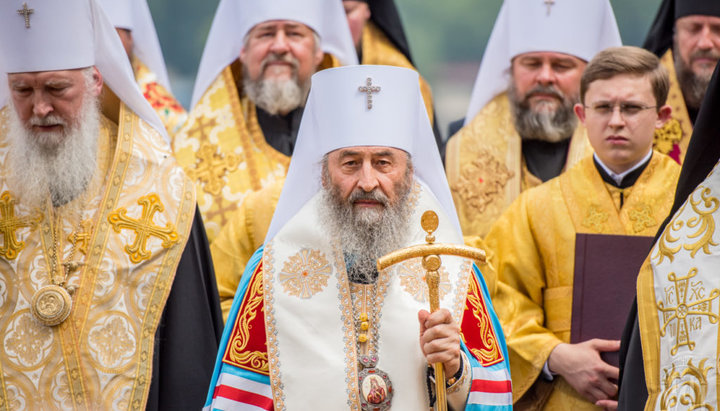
(606, 270)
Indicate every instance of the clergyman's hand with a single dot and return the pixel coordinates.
(440, 339)
(581, 366)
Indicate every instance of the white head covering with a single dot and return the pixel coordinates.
(234, 19)
(336, 116)
(134, 15)
(580, 28)
(65, 35)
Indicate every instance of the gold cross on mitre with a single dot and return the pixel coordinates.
(431, 262)
(549, 4)
(26, 12)
(369, 89)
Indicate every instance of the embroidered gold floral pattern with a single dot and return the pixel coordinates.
(27, 343)
(595, 219)
(681, 312)
(305, 274)
(144, 228)
(489, 353)
(663, 248)
(688, 389)
(112, 342)
(412, 280)
(668, 136)
(212, 167)
(705, 222)
(482, 181)
(9, 224)
(642, 217)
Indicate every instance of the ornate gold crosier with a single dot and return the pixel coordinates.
(144, 228)
(684, 310)
(9, 224)
(26, 12)
(432, 263)
(212, 166)
(369, 89)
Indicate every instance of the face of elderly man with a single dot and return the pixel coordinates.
(278, 58)
(696, 52)
(53, 129)
(543, 90)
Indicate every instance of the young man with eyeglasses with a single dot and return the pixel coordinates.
(624, 188)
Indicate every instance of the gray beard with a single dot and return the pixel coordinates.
(59, 165)
(693, 86)
(276, 96)
(550, 126)
(366, 235)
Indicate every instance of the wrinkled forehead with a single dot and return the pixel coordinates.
(46, 77)
(547, 55)
(276, 25)
(368, 151)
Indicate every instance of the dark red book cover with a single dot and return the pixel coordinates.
(606, 270)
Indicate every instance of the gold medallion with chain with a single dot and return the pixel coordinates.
(52, 304)
(376, 390)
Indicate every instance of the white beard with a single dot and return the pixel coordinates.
(58, 165)
(276, 96)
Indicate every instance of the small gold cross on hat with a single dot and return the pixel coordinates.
(26, 12)
(549, 4)
(369, 89)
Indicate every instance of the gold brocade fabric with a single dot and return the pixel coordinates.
(170, 111)
(129, 237)
(673, 138)
(222, 148)
(534, 253)
(485, 167)
(377, 49)
(243, 234)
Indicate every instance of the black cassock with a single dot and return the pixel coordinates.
(189, 332)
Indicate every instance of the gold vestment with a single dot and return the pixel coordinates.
(222, 148)
(673, 138)
(534, 254)
(485, 167)
(170, 111)
(129, 236)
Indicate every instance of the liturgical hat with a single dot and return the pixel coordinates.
(579, 28)
(50, 35)
(134, 15)
(235, 18)
(362, 105)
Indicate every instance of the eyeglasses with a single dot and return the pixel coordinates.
(627, 110)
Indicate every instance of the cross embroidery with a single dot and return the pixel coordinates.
(201, 125)
(369, 89)
(212, 166)
(81, 237)
(9, 224)
(26, 12)
(144, 228)
(549, 4)
(684, 310)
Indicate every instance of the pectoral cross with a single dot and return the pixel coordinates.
(26, 12)
(369, 89)
(549, 4)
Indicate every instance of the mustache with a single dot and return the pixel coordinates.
(50, 120)
(702, 54)
(275, 57)
(374, 195)
(540, 89)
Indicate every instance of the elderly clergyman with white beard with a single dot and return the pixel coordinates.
(249, 96)
(102, 253)
(313, 321)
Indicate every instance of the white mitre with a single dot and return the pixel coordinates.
(235, 18)
(337, 115)
(65, 35)
(580, 28)
(134, 15)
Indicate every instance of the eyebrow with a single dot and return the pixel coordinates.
(349, 153)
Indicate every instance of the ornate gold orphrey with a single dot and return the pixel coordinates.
(431, 261)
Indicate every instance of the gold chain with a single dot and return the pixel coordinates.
(57, 257)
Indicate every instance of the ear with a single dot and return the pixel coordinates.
(664, 114)
(97, 82)
(579, 110)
